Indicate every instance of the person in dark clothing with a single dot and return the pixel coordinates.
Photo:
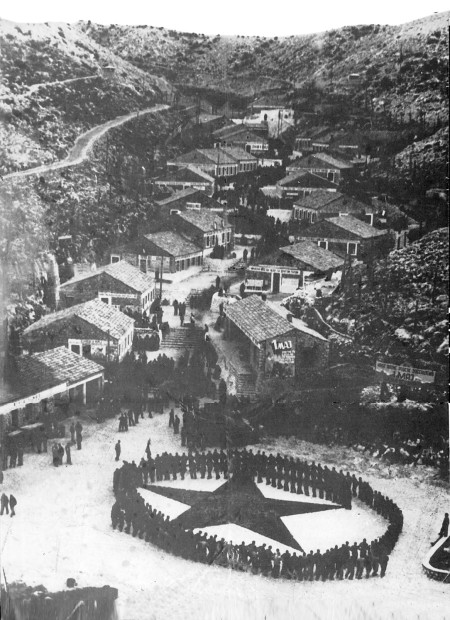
(72, 432)
(171, 418)
(68, 455)
(117, 448)
(60, 453)
(12, 504)
(131, 421)
(79, 436)
(176, 425)
(148, 450)
(4, 504)
(175, 307)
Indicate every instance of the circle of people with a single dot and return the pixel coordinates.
(131, 514)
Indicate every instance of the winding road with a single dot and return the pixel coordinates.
(84, 143)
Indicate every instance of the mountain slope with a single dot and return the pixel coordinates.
(54, 85)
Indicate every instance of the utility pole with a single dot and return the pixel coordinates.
(161, 278)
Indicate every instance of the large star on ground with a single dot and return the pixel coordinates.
(239, 501)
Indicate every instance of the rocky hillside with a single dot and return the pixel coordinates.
(57, 82)
(398, 310)
(402, 62)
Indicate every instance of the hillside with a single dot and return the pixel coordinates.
(396, 61)
(54, 86)
(398, 310)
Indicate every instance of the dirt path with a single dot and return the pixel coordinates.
(85, 142)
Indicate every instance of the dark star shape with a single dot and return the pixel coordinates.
(239, 501)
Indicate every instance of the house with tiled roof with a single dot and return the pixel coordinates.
(118, 284)
(292, 267)
(205, 228)
(246, 161)
(303, 183)
(324, 165)
(92, 329)
(239, 135)
(270, 343)
(43, 381)
(321, 204)
(166, 251)
(348, 235)
(186, 177)
(188, 199)
(214, 162)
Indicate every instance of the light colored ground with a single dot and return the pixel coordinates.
(62, 529)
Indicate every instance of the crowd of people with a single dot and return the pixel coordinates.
(130, 513)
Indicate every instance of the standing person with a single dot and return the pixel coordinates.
(171, 418)
(148, 451)
(4, 504)
(60, 453)
(68, 455)
(176, 425)
(79, 436)
(12, 504)
(175, 307)
(72, 432)
(117, 449)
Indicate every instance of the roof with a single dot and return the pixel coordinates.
(186, 174)
(309, 180)
(309, 161)
(42, 371)
(297, 323)
(204, 117)
(106, 318)
(204, 219)
(62, 364)
(184, 193)
(123, 272)
(233, 130)
(332, 161)
(310, 253)
(257, 319)
(355, 226)
(173, 243)
(317, 199)
(238, 153)
(205, 156)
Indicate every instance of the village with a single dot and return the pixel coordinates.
(276, 299)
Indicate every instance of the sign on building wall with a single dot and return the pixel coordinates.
(280, 357)
(404, 374)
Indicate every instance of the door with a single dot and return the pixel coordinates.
(276, 283)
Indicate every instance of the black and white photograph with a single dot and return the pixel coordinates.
(224, 310)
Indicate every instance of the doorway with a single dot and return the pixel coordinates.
(276, 283)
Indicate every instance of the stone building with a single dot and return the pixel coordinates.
(348, 235)
(93, 329)
(271, 344)
(45, 383)
(161, 252)
(118, 284)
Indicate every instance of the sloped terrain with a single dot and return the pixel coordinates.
(56, 83)
(399, 61)
(401, 313)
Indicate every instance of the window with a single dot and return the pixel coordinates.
(323, 244)
(177, 265)
(75, 348)
(143, 264)
(115, 258)
(352, 249)
(105, 300)
(208, 241)
(228, 236)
